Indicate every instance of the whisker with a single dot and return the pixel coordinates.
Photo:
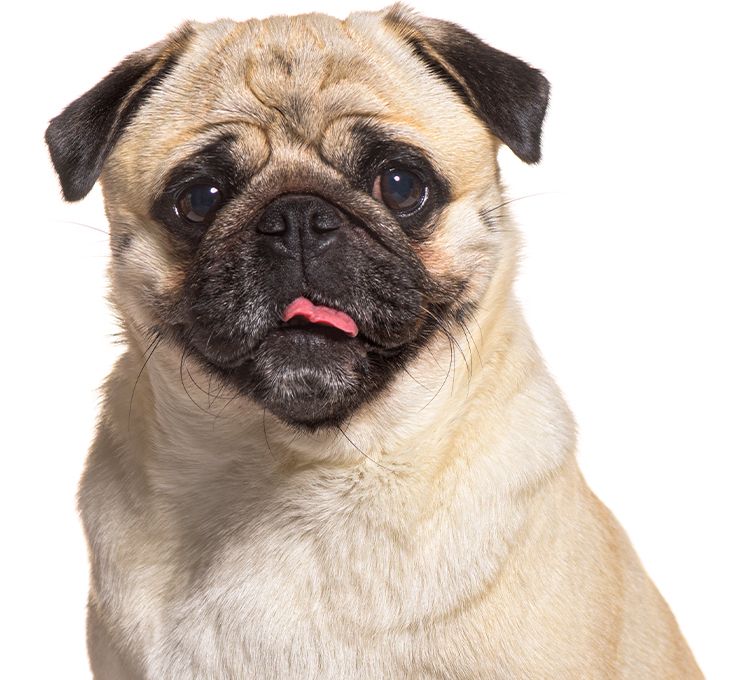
(487, 211)
(372, 460)
(265, 433)
(406, 370)
(184, 387)
(148, 354)
(81, 224)
(445, 378)
(348, 424)
(473, 317)
(470, 341)
(468, 345)
(223, 408)
(211, 396)
(450, 337)
(208, 393)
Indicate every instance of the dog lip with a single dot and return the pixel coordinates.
(222, 353)
(298, 324)
(228, 356)
(230, 362)
(240, 358)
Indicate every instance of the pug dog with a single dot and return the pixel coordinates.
(331, 449)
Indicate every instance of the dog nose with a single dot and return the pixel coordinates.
(300, 223)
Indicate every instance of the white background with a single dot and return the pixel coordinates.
(634, 279)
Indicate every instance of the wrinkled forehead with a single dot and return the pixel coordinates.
(304, 81)
(298, 74)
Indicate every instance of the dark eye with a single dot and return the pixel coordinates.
(401, 190)
(198, 203)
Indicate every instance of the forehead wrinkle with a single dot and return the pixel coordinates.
(302, 116)
(307, 68)
(294, 72)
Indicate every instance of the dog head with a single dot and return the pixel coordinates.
(300, 205)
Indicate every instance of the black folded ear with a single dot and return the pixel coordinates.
(82, 136)
(506, 93)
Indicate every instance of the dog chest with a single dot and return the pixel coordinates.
(298, 595)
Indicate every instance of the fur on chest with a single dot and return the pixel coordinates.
(319, 584)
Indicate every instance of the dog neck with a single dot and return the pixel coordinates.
(485, 403)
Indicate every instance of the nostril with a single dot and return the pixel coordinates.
(324, 221)
(272, 223)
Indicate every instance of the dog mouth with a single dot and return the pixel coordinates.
(308, 362)
(302, 323)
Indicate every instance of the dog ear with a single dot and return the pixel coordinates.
(506, 93)
(83, 135)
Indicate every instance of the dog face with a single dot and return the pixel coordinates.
(300, 205)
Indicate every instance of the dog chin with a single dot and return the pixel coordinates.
(309, 376)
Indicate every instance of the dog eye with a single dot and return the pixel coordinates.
(198, 203)
(401, 190)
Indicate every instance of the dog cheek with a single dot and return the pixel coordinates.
(226, 291)
(465, 247)
(144, 274)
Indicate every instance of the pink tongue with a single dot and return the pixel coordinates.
(320, 314)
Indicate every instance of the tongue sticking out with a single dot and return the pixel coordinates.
(320, 314)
